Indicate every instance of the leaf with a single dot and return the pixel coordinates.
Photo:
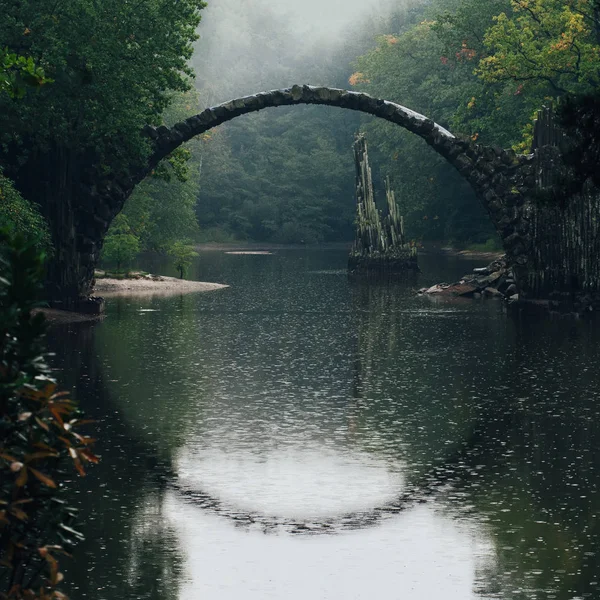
(77, 462)
(22, 501)
(57, 416)
(72, 531)
(20, 514)
(41, 423)
(89, 456)
(38, 455)
(43, 478)
(22, 478)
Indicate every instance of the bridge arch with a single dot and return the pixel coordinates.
(443, 141)
(499, 177)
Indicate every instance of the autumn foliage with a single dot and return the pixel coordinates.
(39, 441)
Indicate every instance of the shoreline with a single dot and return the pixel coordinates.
(271, 248)
(151, 285)
(141, 287)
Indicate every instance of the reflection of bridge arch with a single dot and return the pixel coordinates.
(458, 466)
(316, 525)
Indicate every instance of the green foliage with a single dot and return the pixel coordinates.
(555, 43)
(161, 209)
(17, 215)
(480, 69)
(121, 246)
(17, 73)
(38, 437)
(284, 175)
(413, 69)
(114, 64)
(284, 178)
(183, 255)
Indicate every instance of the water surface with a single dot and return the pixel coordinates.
(299, 435)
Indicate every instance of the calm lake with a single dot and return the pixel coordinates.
(302, 436)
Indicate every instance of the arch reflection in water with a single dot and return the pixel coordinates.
(299, 488)
(416, 558)
(500, 415)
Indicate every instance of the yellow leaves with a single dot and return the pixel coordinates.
(357, 78)
(471, 103)
(544, 40)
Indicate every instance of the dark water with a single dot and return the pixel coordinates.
(301, 436)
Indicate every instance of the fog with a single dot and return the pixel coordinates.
(248, 46)
(331, 17)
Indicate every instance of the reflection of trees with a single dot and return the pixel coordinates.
(542, 450)
(155, 564)
(152, 368)
(129, 552)
(525, 448)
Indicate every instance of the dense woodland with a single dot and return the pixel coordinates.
(285, 175)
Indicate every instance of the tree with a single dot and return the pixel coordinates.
(282, 176)
(114, 65)
(19, 216)
(554, 43)
(182, 255)
(38, 437)
(121, 246)
(161, 209)
(416, 68)
(17, 73)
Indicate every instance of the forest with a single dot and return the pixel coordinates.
(286, 176)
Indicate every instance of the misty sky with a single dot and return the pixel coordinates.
(327, 15)
(251, 45)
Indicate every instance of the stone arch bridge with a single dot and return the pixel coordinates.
(504, 182)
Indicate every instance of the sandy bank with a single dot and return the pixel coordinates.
(251, 253)
(151, 286)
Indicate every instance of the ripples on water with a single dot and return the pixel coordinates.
(301, 436)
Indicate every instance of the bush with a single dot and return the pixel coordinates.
(182, 255)
(121, 246)
(17, 215)
(37, 437)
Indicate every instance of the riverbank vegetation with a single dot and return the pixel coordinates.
(39, 439)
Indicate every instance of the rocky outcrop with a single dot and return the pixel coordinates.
(497, 280)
